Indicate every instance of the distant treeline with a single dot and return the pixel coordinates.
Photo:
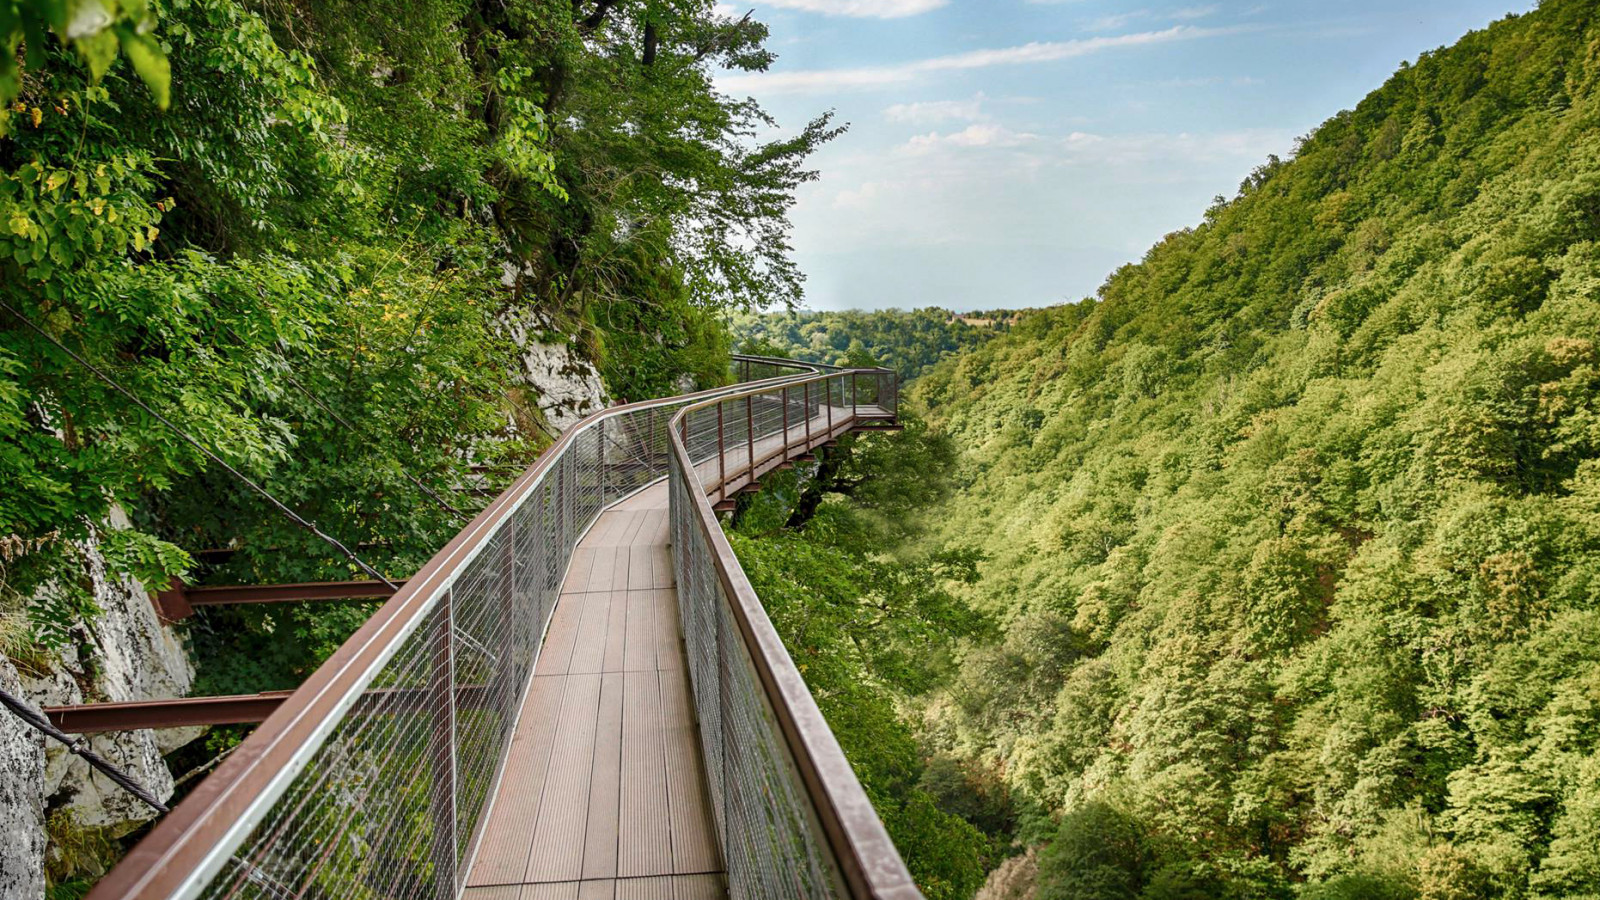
(909, 342)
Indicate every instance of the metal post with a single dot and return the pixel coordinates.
(441, 700)
(750, 432)
(786, 420)
(852, 395)
(508, 591)
(829, 383)
(722, 458)
(600, 429)
(808, 414)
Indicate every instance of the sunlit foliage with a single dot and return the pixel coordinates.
(1294, 529)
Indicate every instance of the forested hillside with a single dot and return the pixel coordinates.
(1293, 531)
(873, 625)
(911, 342)
(362, 252)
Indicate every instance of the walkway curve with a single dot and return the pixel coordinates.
(404, 766)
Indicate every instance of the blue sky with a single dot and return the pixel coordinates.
(1009, 153)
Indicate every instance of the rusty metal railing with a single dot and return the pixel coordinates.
(373, 778)
(792, 819)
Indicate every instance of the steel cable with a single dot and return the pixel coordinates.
(283, 508)
(75, 746)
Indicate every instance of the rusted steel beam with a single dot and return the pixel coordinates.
(234, 709)
(234, 595)
(178, 601)
(229, 710)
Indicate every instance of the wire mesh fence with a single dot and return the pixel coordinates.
(374, 779)
(387, 799)
(782, 835)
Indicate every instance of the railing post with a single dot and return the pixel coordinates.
(442, 703)
(722, 458)
(786, 420)
(600, 432)
(750, 432)
(508, 597)
(852, 395)
(829, 383)
(808, 415)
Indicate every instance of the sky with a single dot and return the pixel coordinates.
(1013, 153)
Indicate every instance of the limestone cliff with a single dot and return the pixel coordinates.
(124, 654)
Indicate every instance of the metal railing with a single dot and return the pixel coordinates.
(792, 819)
(372, 778)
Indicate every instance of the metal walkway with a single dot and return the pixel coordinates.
(580, 697)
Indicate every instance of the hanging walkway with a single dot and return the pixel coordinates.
(604, 795)
(580, 697)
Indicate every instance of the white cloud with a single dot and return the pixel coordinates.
(983, 135)
(932, 112)
(1121, 20)
(946, 187)
(825, 80)
(861, 9)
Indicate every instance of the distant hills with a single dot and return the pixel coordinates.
(1294, 529)
(909, 342)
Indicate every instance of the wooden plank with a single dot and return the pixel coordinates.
(605, 523)
(604, 573)
(556, 656)
(640, 577)
(643, 843)
(661, 568)
(668, 650)
(565, 890)
(693, 845)
(589, 647)
(673, 887)
(497, 892)
(639, 646)
(616, 632)
(605, 784)
(645, 889)
(578, 570)
(598, 890)
(503, 854)
(557, 854)
(630, 535)
(700, 887)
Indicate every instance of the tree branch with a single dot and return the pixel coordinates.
(601, 7)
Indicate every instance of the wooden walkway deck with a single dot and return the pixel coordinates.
(604, 792)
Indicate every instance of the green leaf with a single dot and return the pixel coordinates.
(99, 50)
(145, 54)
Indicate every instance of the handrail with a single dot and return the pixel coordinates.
(190, 846)
(862, 855)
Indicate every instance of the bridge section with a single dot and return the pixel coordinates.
(579, 696)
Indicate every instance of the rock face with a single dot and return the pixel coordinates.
(567, 385)
(125, 654)
(21, 800)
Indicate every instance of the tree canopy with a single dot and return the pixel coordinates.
(1294, 529)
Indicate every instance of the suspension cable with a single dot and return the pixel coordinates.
(75, 746)
(283, 508)
(341, 420)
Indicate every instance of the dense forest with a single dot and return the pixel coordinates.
(1271, 571)
(1292, 533)
(873, 625)
(911, 343)
(320, 238)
